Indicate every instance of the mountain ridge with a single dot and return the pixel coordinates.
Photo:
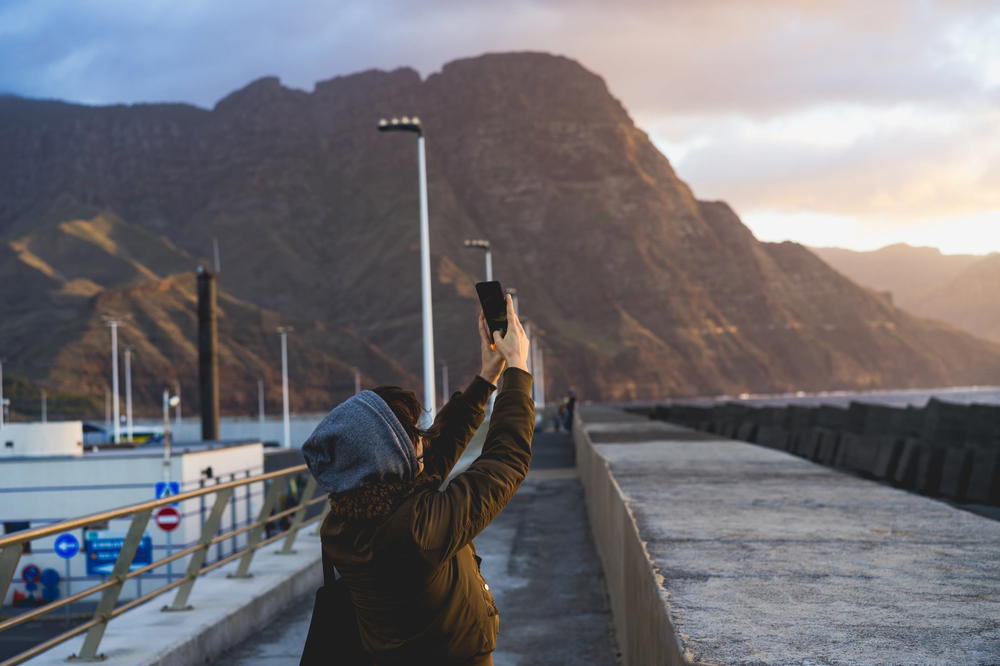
(637, 288)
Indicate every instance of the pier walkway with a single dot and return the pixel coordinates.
(723, 552)
(540, 561)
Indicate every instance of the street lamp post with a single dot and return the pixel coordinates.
(113, 323)
(539, 376)
(128, 392)
(484, 245)
(283, 332)
(168, 402)
(260, 406)
(444, 384)
(406, 124)
(177, 413)
(45, 407)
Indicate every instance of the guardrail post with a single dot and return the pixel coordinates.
(277, 485)
(110, 597)
(8, 565)
(299, 515)
(208, 531)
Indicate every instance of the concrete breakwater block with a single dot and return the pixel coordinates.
(928, 450)
(984, 477)
(772, 436)
(747, 431)
(857, 452)
(905, 474)
(928, 475)
(889, 449)
(955, 471)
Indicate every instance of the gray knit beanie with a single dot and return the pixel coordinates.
(359, 441)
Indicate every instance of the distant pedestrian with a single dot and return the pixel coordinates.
(559, 417)
(570, 409)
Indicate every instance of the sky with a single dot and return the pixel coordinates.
(839, 123)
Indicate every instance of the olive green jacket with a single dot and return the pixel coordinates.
(405, 548)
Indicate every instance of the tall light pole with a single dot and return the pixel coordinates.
(283, 332)
(539, 376)
(128, 392)
(260, 406)
(45, 407)
(115, 410)
(405, 124)
(168, 402)
(177, 412)
(484, 245)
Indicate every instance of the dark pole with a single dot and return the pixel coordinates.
(208, 355)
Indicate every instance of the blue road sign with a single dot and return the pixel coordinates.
(50, 577)
(103, 547)
(67, 546)
(30, 573)
(162, 489)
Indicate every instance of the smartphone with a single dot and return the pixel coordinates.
(494, 305)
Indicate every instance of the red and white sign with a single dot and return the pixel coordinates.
(168, 518)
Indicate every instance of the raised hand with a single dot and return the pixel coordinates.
(492, 360)
(514, 345)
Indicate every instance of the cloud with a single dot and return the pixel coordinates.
(706, 57)
(879, 112)
(897, 165)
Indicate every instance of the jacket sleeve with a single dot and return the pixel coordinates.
(444, 522)
(459, 420)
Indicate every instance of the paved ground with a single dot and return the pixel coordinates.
(767, 558)
(542, 567)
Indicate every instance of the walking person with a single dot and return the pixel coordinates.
(570, 410)
(402, 572)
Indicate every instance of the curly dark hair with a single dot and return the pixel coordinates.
(408, 410)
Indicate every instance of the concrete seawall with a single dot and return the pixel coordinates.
(638, 604)
(722, 552)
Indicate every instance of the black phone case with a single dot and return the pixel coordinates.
(494, 305)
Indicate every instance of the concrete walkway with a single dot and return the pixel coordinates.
(541, 565)
(761, 557)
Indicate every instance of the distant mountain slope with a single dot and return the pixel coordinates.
(971, 300)
(67, 277)
(960, 289)
(638, 289)
(908, 272)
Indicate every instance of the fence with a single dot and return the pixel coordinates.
(12, 546)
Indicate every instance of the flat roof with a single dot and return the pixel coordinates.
(141, 451)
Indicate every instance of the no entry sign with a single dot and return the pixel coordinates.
(168, 518)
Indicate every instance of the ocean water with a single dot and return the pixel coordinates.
(984, 395)
(987, 395)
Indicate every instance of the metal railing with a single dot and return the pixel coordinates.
(12, 546)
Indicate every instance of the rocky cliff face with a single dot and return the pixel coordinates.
(638, 289)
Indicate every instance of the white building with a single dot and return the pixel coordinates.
(47, 476)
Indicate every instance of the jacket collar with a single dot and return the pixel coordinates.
(373, 501)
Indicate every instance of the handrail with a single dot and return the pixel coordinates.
(12, 546)
(83, 521)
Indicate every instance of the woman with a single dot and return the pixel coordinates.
(401, 543)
